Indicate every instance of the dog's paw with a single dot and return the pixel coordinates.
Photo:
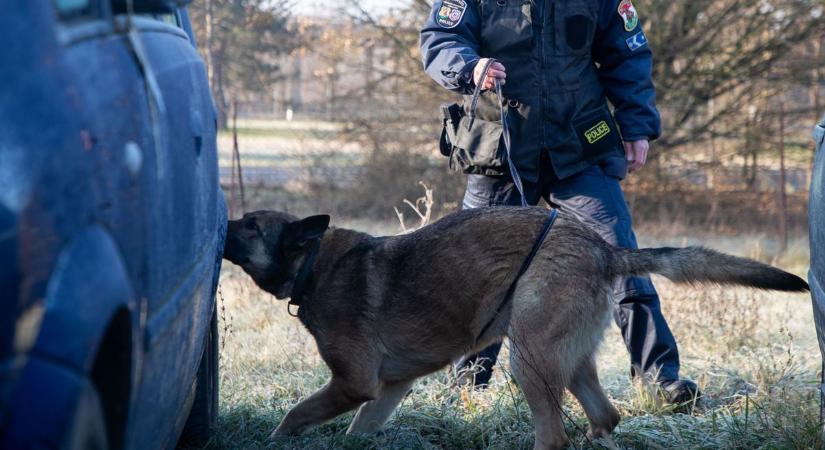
(279, 434)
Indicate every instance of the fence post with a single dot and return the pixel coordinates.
(236, 156)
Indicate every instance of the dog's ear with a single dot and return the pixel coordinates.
(299, 233)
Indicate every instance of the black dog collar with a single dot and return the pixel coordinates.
(304, 278)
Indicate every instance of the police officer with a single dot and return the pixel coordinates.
(559, 62)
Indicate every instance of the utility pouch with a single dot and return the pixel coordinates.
(451, 116)
(474, 144)
(479, 148)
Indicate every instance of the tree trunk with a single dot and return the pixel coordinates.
(219, 95)
(711, 172)
(213, 66)
(236, 154)
(209, 23)
(783, 198)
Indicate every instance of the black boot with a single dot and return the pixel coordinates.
(680, 392)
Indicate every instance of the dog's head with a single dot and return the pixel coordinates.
(271, 246)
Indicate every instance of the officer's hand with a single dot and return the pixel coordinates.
(636, 152)
(497, 71)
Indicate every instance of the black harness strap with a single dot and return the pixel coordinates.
(303, 278)
(548, 225)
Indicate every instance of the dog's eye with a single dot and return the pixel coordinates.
(251, 224)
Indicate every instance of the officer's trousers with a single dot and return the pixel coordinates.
(597, 200)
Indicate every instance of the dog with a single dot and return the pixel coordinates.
(385, 311)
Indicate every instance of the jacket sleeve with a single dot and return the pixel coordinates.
(625, 67)
(450, 54)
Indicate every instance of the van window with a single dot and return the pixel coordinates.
(167, 18)
(170, 18)
(70, 10)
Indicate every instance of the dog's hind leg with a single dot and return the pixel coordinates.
(372, 415)
(585, 386)
(337, 397)
(543, 387)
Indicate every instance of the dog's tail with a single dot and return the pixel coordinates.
(701, 265)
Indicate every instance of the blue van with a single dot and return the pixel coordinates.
(112, 225)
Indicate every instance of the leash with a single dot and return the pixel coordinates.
(548, 225)
(505, 135)
(302, 279)
(505, 127)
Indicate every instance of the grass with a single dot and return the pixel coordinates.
(754, 355)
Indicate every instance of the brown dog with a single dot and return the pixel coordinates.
(387, 310)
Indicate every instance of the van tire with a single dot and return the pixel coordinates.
(203, 417)
(87, 430)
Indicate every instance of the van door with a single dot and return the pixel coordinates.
(186, 212)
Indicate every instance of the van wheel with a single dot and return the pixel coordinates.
(87, 430)
(203, 417)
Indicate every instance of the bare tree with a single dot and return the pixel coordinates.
(242, 41)
(734, 52)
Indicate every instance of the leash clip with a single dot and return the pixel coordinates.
(289, 309)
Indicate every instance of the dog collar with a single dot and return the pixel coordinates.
(302, 280)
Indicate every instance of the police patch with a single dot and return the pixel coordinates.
(628, 14)
(597, 132)
(450, 13)
(636, 41)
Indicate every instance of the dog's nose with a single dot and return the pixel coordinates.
(230, 248)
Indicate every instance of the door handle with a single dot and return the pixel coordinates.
(196, 125)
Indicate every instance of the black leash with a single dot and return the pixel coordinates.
(302, 279)
(548, 225)
(505, 133)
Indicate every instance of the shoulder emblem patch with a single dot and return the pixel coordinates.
(450, 13)
(636, 41)
(628, 14)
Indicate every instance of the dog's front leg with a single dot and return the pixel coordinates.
(373, 414)
(337, 397)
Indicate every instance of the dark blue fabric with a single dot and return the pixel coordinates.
(626, 75)
(597, 200)
(450, 55)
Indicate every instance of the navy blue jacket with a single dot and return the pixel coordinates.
(564, 59)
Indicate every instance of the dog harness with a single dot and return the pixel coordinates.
(548, 225)
(551, 219)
